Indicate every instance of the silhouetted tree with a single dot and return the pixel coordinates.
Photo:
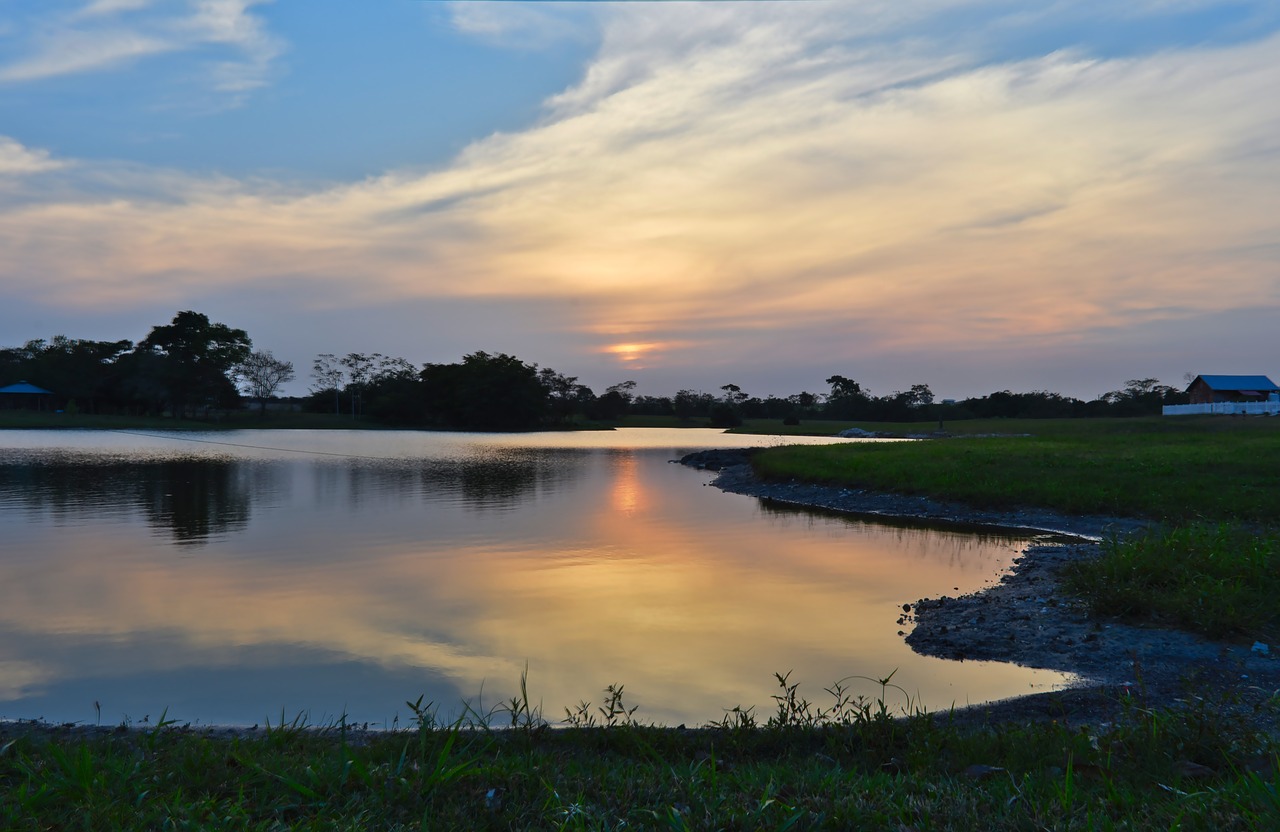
(261, 375)
(361, 368)
(733, 394)
(920, 395)
(328, 375)
(486, 392)
(82, 374)
(625, 389)
(566, 397)
(847, 400)
(688, 403)
(394, 393)
(196, 358)
(652, 406)
(1142, 397)
(724, 415)
(804, 403)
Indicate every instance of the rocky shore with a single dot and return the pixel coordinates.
(1029, 620)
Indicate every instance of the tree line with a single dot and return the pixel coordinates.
(192, 366)
(500, 392)
(186, 368)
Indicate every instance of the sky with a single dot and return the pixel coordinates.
(976, 195)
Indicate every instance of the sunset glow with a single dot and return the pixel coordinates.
(628, 353)
(1048, 197)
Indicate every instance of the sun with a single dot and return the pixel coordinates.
(631, 353)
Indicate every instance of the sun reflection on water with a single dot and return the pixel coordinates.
(352, 585)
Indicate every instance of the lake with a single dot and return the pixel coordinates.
(248, 576)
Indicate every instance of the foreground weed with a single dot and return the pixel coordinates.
(846, 709)
(613, 713)
(522, 714)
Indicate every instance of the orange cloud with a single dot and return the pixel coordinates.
(746, 187)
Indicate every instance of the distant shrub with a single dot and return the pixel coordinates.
(724, 416)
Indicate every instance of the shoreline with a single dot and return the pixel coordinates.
(1026, 618)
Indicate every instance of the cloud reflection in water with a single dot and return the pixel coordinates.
(422, 573)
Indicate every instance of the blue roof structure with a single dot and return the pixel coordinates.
(24, 387)
(1258, 383)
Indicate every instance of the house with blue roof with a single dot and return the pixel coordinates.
(1219, 389)
(25, 396)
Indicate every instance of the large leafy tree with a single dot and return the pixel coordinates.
(196, 360)
(486, 392)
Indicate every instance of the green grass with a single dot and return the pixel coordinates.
(848, 766)
(1171, 470)
(966, 427)
(1220, 580)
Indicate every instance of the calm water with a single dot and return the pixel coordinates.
(238, 577)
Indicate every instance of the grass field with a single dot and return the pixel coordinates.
(1217, 579)
(1172, 470)
(850, 766)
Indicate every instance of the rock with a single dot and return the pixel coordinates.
(978, 771)
(1261, 649)
(718, 459)
(1193, 771)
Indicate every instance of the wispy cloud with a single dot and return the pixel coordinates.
(15, 159)
(766, 172)
(107, 34)
(73, 51)
(229, 22)
(526, 25)
(103, 8)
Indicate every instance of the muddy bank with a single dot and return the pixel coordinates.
(735, 475)
(1029, 620)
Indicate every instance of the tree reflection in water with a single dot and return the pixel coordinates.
(195, 499)
(373, 567)
(190, 499)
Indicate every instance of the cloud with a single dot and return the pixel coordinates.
(103, 8)
(107, 34)
(525, 25)
(229, 22)
(739, 174)
(16, 159)
(73, 52)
